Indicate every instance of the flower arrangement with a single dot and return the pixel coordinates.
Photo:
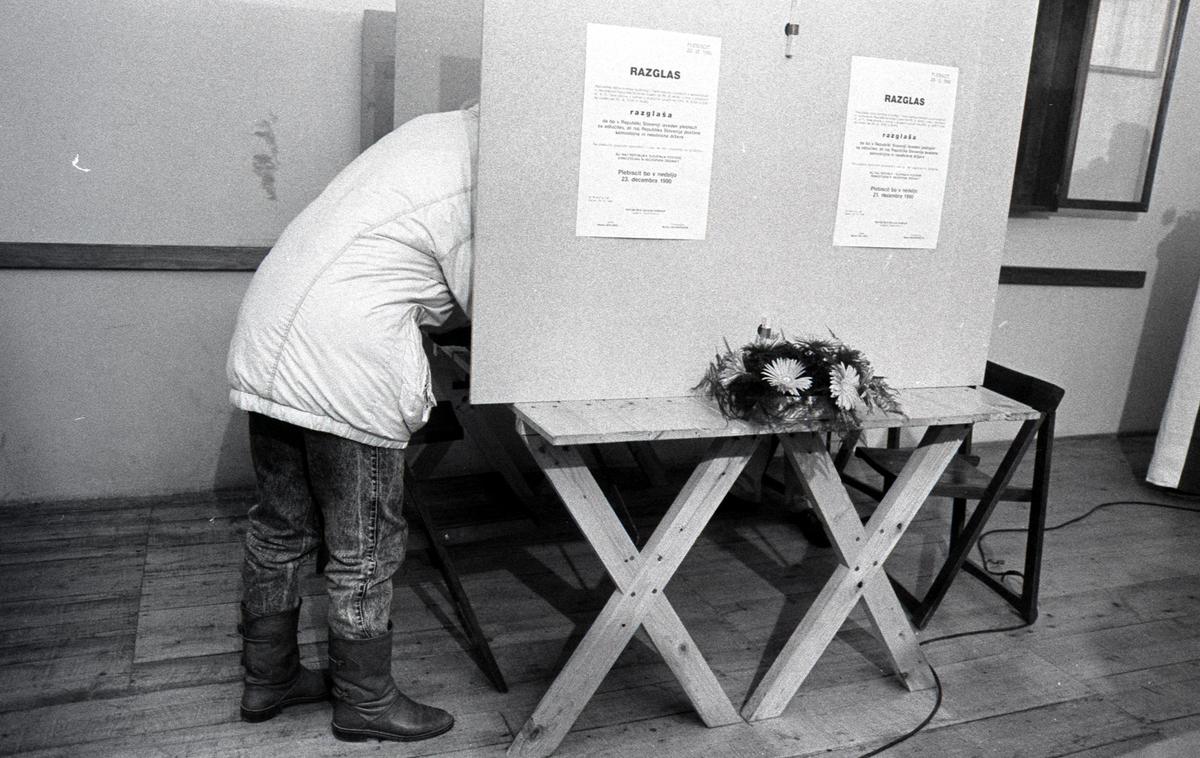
(779, 380)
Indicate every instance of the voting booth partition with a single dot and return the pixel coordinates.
(562, 315)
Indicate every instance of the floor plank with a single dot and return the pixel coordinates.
(117, 631)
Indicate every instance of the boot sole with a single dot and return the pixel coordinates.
(362, 735)
(266, 714)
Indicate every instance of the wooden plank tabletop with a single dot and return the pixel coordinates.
(580, 422)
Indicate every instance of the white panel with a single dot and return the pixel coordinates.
(1178, 444)
(565, 317)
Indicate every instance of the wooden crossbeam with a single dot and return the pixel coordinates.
(861, 552)
(641, 578)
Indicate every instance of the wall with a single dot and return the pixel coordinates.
(111, 383)
(114, 383)
(1114, 350)
(437, 55)
(210, 122)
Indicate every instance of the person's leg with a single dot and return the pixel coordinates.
(360, 490)
(280, 532)
(281, 528)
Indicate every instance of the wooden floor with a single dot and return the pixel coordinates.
(117, 634)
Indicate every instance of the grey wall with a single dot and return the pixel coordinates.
(114, 383)
(437, 55)
(111, 383)
(1114, 350)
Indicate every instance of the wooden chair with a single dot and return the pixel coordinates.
(450, 365)
(964, 480)
(452, 420)
(443, 427)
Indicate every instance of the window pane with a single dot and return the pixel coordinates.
(1121, 94)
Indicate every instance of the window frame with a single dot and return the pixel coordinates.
(1059, 68)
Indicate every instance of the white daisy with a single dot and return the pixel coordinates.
(843, 386)
(787, 376)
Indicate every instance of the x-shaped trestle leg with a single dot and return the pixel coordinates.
(861, 552)
(640, 578)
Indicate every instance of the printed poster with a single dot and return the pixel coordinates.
(895, 155)
(649, 113)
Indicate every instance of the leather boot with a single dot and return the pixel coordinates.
(367, 702)
(273, 675)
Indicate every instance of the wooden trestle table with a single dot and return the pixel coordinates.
(554, 431)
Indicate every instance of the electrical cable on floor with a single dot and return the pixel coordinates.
(937, 681)
(987, 562)
(936, 706)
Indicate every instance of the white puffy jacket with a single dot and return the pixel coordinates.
(328, 336)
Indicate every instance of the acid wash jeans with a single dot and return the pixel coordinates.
(309, 481)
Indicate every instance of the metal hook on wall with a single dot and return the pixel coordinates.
(790, 29)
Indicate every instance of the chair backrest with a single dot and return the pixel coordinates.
(1041, 396)
(1036, 393)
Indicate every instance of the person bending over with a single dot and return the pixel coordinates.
(327, 360)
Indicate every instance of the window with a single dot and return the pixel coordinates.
(1099, 81)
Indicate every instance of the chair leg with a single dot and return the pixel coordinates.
(1032, 578)
(921, 609)
(958, 516)
(465, 611)
(846, 450)
(969, 536)
(1012, 598)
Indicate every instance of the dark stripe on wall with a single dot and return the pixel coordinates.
(53, 255)
(1072, 277)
